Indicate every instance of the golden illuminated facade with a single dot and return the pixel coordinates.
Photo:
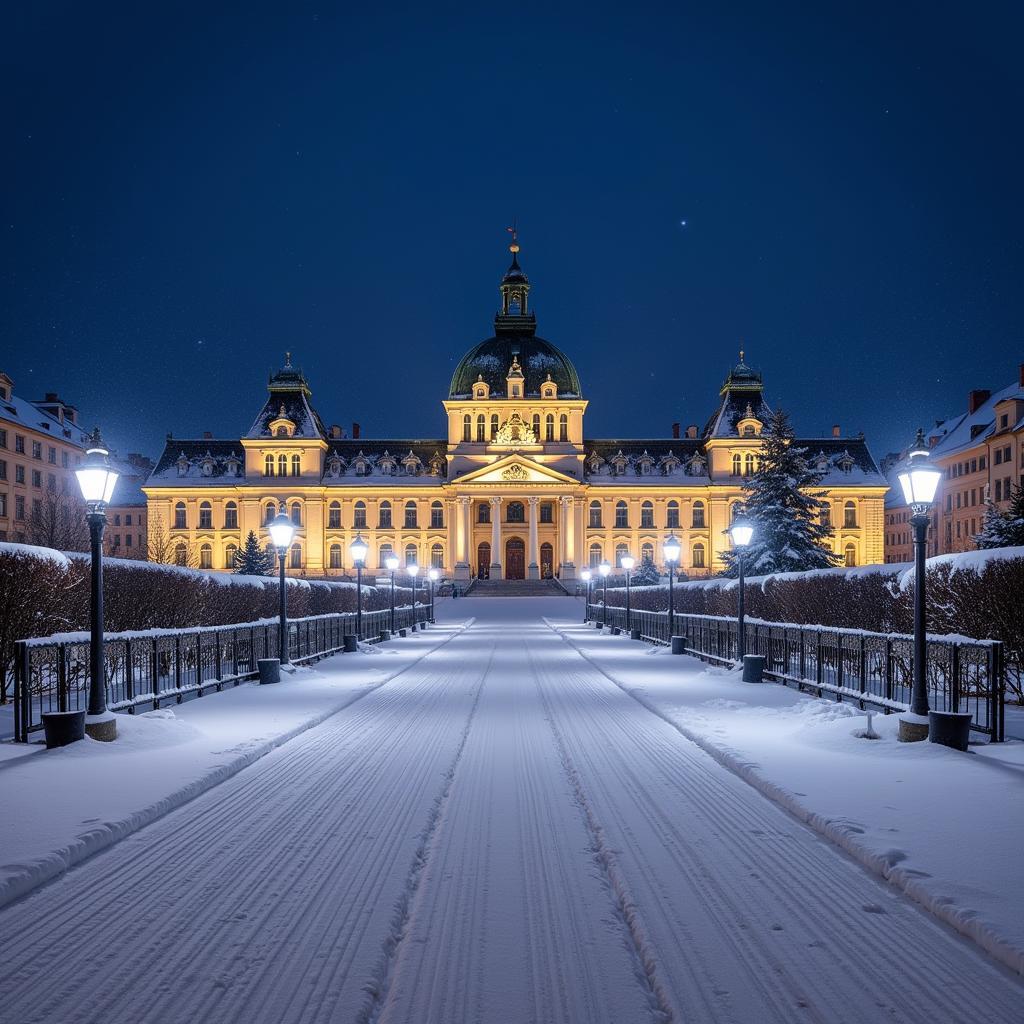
(515, 490)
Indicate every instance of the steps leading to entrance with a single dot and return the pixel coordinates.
(516, 588)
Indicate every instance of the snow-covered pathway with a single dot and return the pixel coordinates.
(498, 834)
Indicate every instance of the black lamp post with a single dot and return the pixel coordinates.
(741, 531)
(627, 562)
(586, 576)
(282, 529)
(413, 570)
(604, 568)
(919, 481)
(358, 549)
(432, 575)
(392, 563)
(96, 479)
(672, 550)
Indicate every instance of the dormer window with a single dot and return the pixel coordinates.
(386, 464)
(412, 464)
(549, 389)
(232, 465)
(281, 425)
(698, 465)
(645, 463)
(594, 463)
(480, 388)
(361, 465)
(182, 465)
(619, 462)
(207, 465)
(669, 464)
(846, 462)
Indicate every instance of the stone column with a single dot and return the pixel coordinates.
(463, 539)
(495, 538)
(533, 569)
(566, 534)
(580, 532)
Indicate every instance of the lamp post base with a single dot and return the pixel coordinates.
(101, 727)
(912, 728)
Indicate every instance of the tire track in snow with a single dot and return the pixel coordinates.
(721, 874)
(379, 984)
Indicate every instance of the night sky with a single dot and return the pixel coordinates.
(188, 193)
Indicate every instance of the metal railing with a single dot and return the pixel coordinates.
(871, 669)
(159, 666)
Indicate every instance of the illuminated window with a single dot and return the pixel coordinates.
(384, 519)
(230, 516)
(179, 516)
(698, 516)
(334, 516)
(268, 466)
(698, 556)
(672, 516)
(647, 516)
(358, 516)
(335, 556)
(296, 465)
(563, 427)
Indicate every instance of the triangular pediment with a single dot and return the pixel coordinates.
(515, 469)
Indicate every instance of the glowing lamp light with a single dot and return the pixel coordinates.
(627, 562)
(604, 568)
(741, 531)
(433, 575)
(586, 575)
(95, 477)
(358, 549)
(282, 529)
(391, 562)
(672, 548)
(412, 570)
(919, 478)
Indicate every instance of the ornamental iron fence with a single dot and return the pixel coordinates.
(872, 669)
(159, 666)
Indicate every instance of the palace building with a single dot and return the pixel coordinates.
(515, 489)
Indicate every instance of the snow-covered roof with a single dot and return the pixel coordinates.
(959, 433)
(22, 413)
(679, 462)
(396, 462)
(203, 462)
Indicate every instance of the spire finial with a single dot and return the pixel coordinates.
(288, 359)
(741, 355)
(514, 247)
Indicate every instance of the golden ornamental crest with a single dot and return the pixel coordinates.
(514, 473)
(515, 431)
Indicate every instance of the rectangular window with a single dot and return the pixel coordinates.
(672, 517)
(982, 461)
(51, 483)
(19, 506)
(358, 519)
(51, 455)
(1004, 421)
(621, 517)
(117, 519)
(999, 456)
(999, 491)
(127, 540)
(437, 518)
(37, 478)
(3, 469)
(334, 522)
(647, 518)
(37, 450)
(547, 512)
(3, 504)
(64, 459)
(3, 438)
(19, 444)
(19, 474)
(128, 519)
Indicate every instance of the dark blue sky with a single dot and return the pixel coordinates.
(189, 193)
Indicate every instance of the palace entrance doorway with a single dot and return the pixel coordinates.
(483, 560)
(515, 559)
(546, 561)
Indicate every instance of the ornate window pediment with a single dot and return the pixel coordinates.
(387, 463)
(436, 464)
(594, 462)
(412, 464)
(698, 465)
(619, 462)
(281, 425)
(669, 463)
(361, 464)
(645, 463)
(206, 466)
(514, 431)
(182, 464)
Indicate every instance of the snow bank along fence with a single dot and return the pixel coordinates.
(156, 666)
(873, 669)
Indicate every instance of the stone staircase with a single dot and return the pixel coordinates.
(516, 588)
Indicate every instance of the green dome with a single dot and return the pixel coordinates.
(492, 358)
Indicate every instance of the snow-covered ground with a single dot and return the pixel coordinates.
(499, 833)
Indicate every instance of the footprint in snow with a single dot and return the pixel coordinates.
(872, 908)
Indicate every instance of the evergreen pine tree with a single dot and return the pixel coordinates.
(1003, 529)
(252, 559)
(647, 574)
(785, 510)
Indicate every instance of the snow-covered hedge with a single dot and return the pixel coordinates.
(977, 593)
(44, 592)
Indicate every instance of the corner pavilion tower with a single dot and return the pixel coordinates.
(515, 490)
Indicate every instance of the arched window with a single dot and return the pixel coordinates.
(296, 556)
(698, 516)
(549, 427)
(483, 512)
(359, 516)
(494, 425)
(481, 428)
(335, 556)
(851, 555)
(647, 551)
(410, 554)
(595, 515)
(647, 515)
(410, 515)
(749, 465)
(269, 512)
(437, 556)
(536, 425)
(230, 553)
(621, 515)
(515, 512)
(296, 465)
(436, 515)
(268, 466)
(563, 427)
(621, 550)
(467, 427)
(386, 551)
(179, 516)
(595, 556)
(230, 516)
(384, 519)
(205, 516)
(698, 555)
(334, 516)
(296, 513)
(850, 514)
(282, 465)
(180, 554)
(205, 557)
(672, 515)
(737, 464)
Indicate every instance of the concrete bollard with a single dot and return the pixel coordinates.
(385, 635)
(403, 633)
(753, 668)
(616, 631)
(679, 645)
(950, 728)
(270, 670)
(599, 625)
(634, 634)
(350, 643)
